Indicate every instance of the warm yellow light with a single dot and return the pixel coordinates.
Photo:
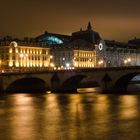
(51, 64)
(51, 57)
(17, 64)
(27, 64)
(21, 55)
(100, 62)
(125, 61)
(31, 64)
(10, 51)
(24, 64)
(75, 64)
(10, 64)
(129, 60)
(16, 50)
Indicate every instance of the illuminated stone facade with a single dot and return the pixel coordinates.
(16, 56)
(77, 54)
(84, 59)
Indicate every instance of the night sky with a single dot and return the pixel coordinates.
(113, 19)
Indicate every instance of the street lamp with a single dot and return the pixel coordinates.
(100, 62)
(52, 65)
(127, 61)
(51, 57)
(67, 65)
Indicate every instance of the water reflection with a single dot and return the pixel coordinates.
(18, 117)
(70, 116)
(128, 107)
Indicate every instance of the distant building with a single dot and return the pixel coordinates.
(81, 49)
(23, 54)
(121, 54)
(75, 54)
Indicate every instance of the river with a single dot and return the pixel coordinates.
(84, 116)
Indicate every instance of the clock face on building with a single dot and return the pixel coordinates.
(101, 46)
(13, 44)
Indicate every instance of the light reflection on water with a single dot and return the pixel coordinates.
(85, 116)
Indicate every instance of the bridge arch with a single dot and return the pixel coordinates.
(72, 83)
(122, 83)
(28, 84)
(89, 84)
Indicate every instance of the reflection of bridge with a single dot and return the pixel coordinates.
(109, 79)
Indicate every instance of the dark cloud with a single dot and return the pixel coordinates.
(114, 19)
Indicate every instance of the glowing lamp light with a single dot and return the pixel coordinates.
(10, 51)
(21, 55)
(100, 62)
(129, 60)
(17, 64)
(125, 61)
(10, 64)
(51, 64)
(62, 67)
(16, 50)
(75, 64)
(51, 57)
(67, 65)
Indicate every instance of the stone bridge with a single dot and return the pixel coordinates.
(108, 79)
